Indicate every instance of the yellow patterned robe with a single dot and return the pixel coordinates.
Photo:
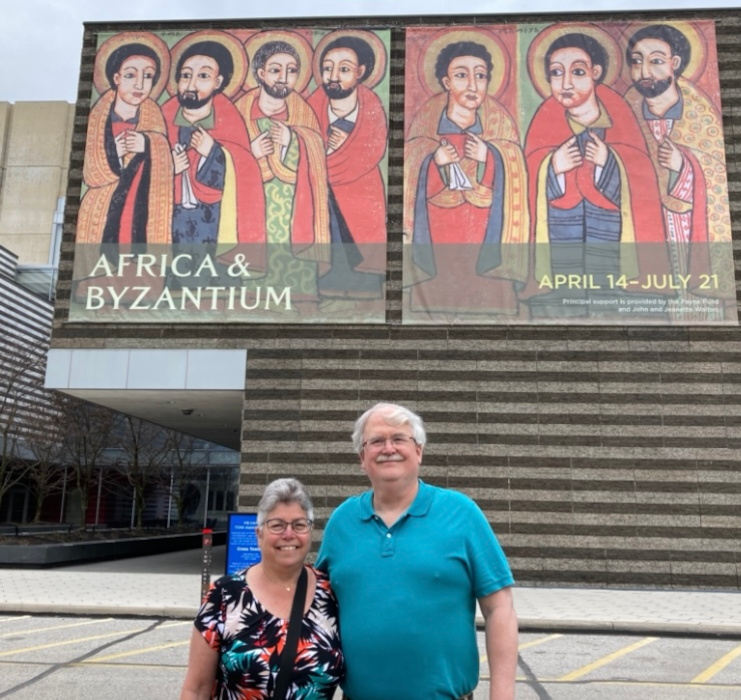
(699, 135)
(102, 181)
(296, 197)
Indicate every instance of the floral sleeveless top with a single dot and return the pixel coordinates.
(249, 640)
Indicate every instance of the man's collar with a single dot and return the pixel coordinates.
(351, 117)
(366, 505)
(674, 112)
(422, 501)
(115, 118)
(207, 122)
(419, 507)
(447, 126)
(603, 121)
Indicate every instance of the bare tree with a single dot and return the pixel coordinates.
(146, 448)
(185, 462)
(87, 430)
(46, 474)
(22, 365)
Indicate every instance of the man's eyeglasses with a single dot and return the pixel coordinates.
(378, 443)
(276, 526)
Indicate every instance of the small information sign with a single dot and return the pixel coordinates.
(242, 549)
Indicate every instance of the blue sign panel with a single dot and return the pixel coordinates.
(242, 549)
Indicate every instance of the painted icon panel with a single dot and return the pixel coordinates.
(235, 176)
(566, 173)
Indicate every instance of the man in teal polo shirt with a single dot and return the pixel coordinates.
(408, 561)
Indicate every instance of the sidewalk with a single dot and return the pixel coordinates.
(168, 585)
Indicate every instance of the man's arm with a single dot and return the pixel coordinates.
(323, 556)
(501, 642)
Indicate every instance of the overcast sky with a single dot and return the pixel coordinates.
(40, 48)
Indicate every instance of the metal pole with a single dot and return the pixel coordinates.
(64, 495)
(205, 505)
(206, 542)
(97, 502)
(169, 500)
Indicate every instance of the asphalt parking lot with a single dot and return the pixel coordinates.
(81, 658)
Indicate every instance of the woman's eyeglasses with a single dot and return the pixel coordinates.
(276, 526)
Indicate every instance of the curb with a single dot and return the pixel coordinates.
(684, 629)
(179, 612)
(174, 612)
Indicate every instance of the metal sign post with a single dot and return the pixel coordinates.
(206, 542)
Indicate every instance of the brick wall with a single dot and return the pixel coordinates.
(607, 456)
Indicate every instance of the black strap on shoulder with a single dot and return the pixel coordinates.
(288, 657)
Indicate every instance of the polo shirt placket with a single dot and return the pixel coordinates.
(389, 534)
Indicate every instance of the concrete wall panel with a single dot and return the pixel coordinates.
(39, 134)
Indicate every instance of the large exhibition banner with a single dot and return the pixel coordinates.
(566, 173)
(235, 176)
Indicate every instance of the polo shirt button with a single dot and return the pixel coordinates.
(388, 535)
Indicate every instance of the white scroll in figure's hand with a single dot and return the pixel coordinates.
(457, 178)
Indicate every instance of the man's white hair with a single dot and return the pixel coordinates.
(393, 414)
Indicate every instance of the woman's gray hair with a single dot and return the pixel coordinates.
(283, 491)
(393, 414)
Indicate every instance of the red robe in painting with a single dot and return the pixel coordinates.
(310, 221)
(355, 176)
(468, 252)
(242, 199)
(640, 206)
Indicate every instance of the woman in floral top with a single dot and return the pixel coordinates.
(241, 628)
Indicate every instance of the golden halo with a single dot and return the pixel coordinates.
(542, 42)
(698, 45)
(228, 41)
(302, 46)
(100, 81)
(430, 51)
(371, 38)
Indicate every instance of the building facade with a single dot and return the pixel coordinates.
(604, 450)
(25, 320)
(35, 142)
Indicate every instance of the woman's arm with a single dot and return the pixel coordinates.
(202, 662)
